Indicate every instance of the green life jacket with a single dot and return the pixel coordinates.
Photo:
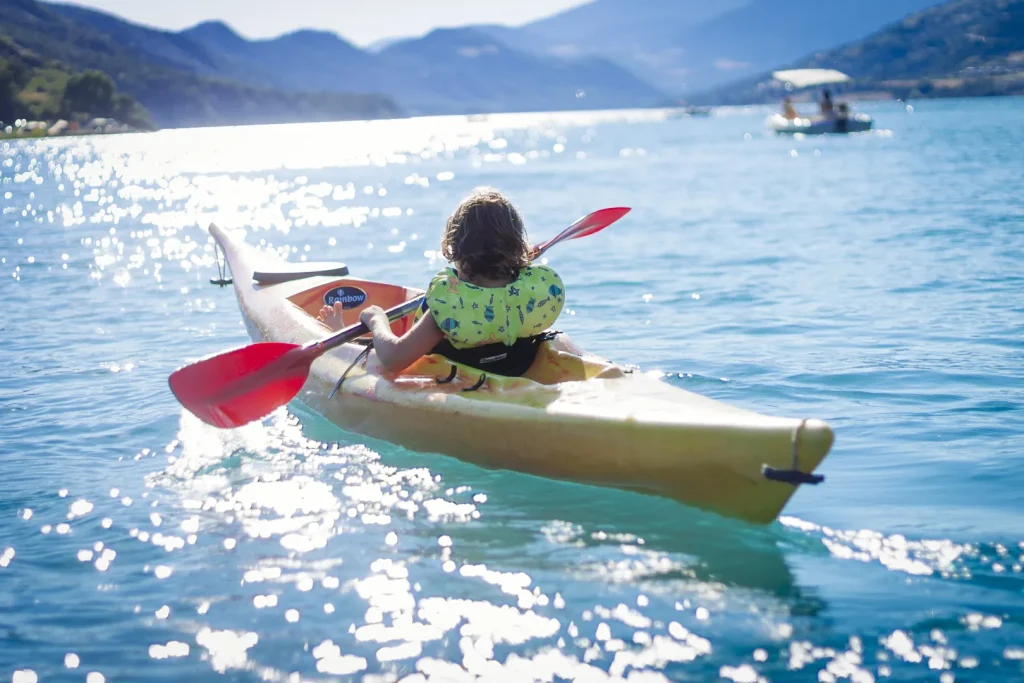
(471, 316)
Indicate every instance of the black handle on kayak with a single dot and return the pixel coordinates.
(794, 477)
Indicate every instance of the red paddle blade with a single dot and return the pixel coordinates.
(599, 220)
(588, 225)
(234, 388)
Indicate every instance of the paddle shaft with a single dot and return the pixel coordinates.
(347, 334)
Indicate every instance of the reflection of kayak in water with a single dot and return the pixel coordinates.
(818, 125)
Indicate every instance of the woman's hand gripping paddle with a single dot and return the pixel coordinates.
(235, 387)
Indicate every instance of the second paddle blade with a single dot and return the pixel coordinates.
(237, 387)
(601, 219)
(587, 225)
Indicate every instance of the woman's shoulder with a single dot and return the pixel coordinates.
(444, 273)
(540, 274)
(446, 278)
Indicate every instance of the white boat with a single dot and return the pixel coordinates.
(820, 125)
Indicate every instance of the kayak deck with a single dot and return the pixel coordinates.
(572, 416)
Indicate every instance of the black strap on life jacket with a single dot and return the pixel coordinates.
(497, 358)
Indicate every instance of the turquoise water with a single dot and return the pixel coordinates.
(873, 281)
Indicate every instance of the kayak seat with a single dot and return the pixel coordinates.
(497, 358)
(550, 359)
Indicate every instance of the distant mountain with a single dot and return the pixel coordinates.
(304, 60)
(638, 28)
(642, 35)
(686, 46)
(958, 39)
(173, 76)
(959, 48)
(378, 45)
(478, 73)
(107, 33)
(208, 32)
(312, 61)
(766, 33)
(448, 71)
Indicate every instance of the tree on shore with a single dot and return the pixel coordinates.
(88, 93)
(92, 94)
(72, 96)
(12, 79)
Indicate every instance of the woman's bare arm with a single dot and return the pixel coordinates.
(398, 353)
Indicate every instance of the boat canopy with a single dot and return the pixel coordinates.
(802, 78)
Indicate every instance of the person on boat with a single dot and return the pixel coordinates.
(788, 110)
(489, 309)
(826, 103)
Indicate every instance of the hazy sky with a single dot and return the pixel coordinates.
(359, 21)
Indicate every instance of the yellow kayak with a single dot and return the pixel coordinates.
(572, 416)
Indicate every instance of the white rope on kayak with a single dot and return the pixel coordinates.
(221, 269)
(796, 443)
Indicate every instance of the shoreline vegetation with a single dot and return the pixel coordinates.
(23, 129)
(50, 101)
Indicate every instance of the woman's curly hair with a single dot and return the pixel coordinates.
(485, 236)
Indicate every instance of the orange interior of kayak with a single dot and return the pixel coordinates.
(376, 293)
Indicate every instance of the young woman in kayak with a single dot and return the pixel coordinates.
(489, 309)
